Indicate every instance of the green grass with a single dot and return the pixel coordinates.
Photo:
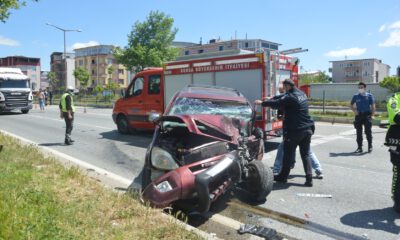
(41, 199)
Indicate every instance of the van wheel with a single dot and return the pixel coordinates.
(24, 111)
(123, 125)
(260, 181)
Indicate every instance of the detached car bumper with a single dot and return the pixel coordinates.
(183, 182)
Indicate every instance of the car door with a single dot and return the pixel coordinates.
(135, 106)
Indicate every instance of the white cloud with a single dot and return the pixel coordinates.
(395, 25)
(8, 42)
(83, 45)
(393, 40)
(382, 28)
(349, 52)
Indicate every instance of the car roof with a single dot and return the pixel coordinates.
(212, 92)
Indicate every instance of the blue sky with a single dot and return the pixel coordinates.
(330, 30)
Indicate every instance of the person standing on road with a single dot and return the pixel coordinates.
(363, 106)
(67, 110)
(46, 96)
(41, 99)
(51, 97)
(297, 129)
(393, 109)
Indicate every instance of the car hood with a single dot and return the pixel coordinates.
(215, 126)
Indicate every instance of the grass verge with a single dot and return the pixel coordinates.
(42, 199)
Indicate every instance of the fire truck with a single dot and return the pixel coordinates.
(255, 75)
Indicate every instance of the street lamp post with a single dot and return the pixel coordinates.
(64, 31)
(65, 46)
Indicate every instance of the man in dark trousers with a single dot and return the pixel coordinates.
(297, 129)
(67, 110)
(363, 106)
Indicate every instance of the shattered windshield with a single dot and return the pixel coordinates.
(230, 109)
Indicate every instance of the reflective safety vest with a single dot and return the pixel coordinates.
(64, 103)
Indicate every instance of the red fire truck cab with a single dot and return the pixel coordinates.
(256, 75)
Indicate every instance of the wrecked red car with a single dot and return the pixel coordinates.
(204, 144)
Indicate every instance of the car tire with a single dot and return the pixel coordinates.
(260, 181)
(25, 111)
(123, 125)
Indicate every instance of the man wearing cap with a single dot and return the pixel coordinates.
(67, 110)
(297, 129)
(363, 106)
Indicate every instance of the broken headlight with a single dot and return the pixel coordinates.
(162, 159)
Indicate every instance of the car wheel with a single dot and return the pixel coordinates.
(260, 181)
(24, 111)
(123, 125)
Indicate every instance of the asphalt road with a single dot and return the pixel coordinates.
(359, 184)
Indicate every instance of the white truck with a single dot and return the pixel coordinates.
(15, 91)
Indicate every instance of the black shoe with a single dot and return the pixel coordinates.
(309, 182)
(359, 150)
(370, 149)
(72, 140)
(68, 142)
(278, 178)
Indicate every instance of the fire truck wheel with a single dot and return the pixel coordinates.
(123, 125)
(24, 111)
(260, 181)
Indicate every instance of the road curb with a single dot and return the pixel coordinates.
(102, 174)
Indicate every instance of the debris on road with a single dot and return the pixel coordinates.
(316, 195)
(267, 233)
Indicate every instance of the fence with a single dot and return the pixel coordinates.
(345, 91)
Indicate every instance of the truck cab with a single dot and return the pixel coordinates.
(15, 91)
(143, 96)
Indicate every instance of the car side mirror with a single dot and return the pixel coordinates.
(153, 117)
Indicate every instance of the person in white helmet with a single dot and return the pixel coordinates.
(67, 110)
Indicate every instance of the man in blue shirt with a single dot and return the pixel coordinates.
(363, 106)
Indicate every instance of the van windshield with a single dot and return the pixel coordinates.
(14, 83)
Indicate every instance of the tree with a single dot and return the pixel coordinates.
(110, 70)
(98, 89)
(391, 83)
(149, 43)
(7, 5)
(53, 81)
(83, 77)
(306, 79)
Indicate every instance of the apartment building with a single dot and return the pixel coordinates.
(216, 45)
(97, 60)
(28, 65)
(370, 70)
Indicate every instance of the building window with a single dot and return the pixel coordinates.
(121, 81)
(200, 51)
(92, 71)
(221, 48)
(93, 61)
(246, 45)
(265, 45)
(80, 62)
(109, 61)
(187, 52)
(273, 46)
(120, 71)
